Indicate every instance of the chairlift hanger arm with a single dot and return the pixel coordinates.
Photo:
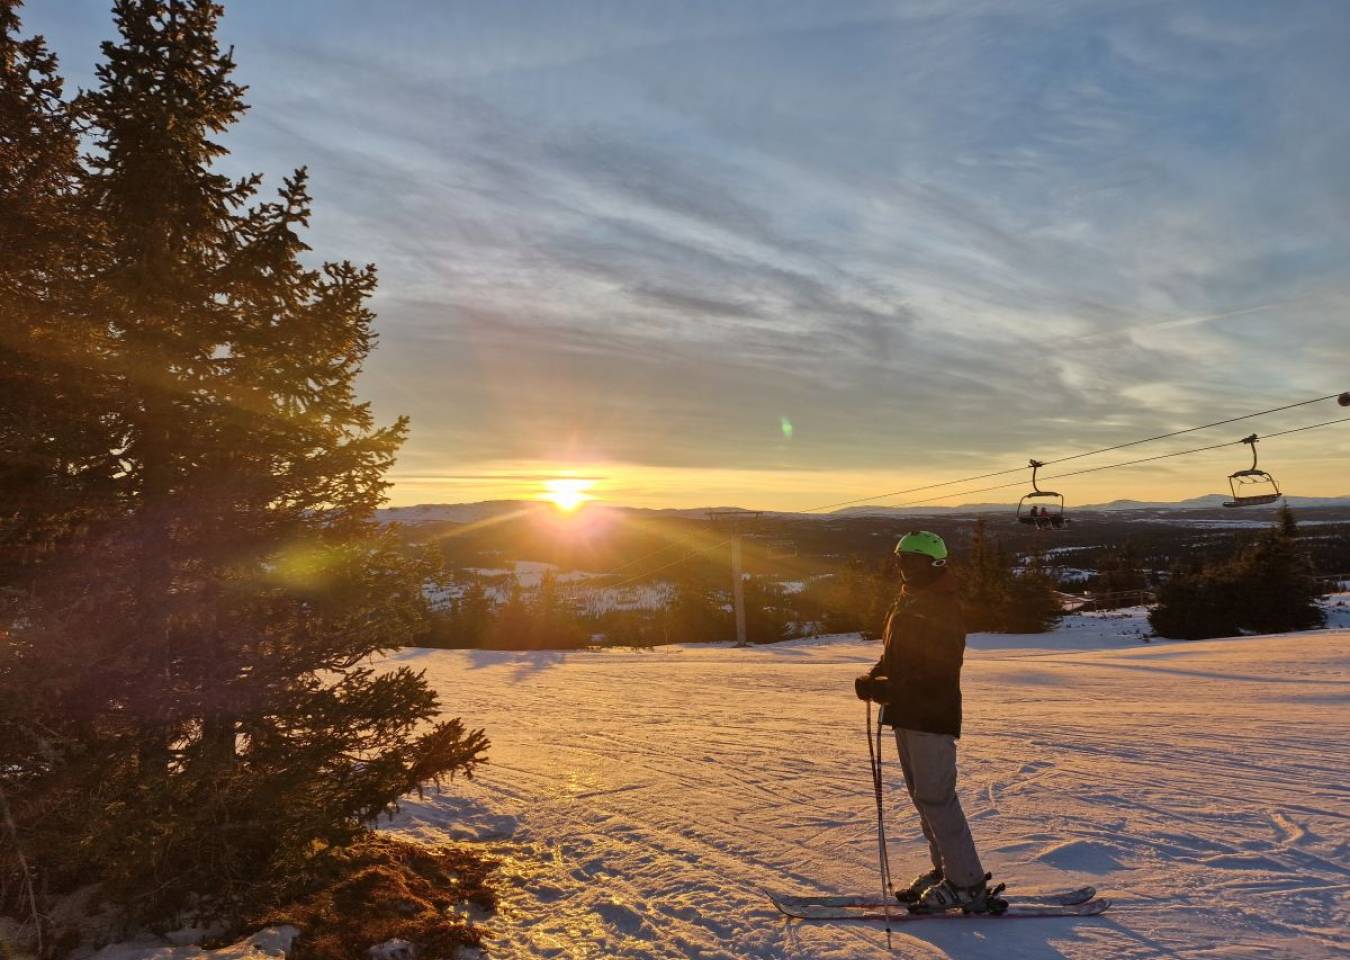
(1252, 476)
(1035, 465)
(1253, 470)
(1037, 516)
(1251, 441)
(1036, 490)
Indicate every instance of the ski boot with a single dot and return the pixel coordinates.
(946, 896)
(918, 885)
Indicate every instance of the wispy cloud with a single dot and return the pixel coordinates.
(643, 234)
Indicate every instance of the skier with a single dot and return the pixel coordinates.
(918, 679)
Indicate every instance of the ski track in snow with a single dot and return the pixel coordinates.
(644, 800)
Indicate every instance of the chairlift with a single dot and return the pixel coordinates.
(1263, 487)
(1042, 509)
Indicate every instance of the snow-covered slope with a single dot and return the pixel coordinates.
(643, 800)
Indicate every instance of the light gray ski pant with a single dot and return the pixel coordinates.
(928, 761)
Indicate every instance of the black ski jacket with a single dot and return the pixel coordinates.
(925, 643)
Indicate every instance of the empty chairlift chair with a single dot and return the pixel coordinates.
(1253, 487)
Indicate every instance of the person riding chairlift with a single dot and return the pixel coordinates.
(1044, 518)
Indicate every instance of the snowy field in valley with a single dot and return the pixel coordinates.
(644, 799)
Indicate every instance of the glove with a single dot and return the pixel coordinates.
(868, 687)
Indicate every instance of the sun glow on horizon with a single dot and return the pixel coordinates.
(567, 493)
(1302, 468)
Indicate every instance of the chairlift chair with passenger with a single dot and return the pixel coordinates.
(1042, 509)
(1261, 486)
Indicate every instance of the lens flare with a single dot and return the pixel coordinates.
(567, 493)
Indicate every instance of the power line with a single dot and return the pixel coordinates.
(644, 556)
(1076, 456)
(684, 542)
(679, 543)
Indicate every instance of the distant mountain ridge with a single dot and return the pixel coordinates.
(1210, 501)
(487, 509)
(453, 512)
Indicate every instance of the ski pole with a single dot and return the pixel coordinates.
(883, 858)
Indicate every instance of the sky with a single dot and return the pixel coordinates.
(781, 254)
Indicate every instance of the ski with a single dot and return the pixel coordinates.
(1063, 898)
(898, 914)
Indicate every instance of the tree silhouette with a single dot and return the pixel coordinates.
(188, 701)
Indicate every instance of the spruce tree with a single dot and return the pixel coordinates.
(1279, 591)
(56, 462)
(998, 597)
(986, 581)
(513, 627)
(57, 433)
(1285, 521)
(1121, 571)
(468, 620)
(1198, 604)
(695, 617)
(556, 626)
(202, 713)
(848, 598)
(1032, 601)
(1266, 587)
(766, 618)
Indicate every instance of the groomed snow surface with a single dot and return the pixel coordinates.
(644, 800)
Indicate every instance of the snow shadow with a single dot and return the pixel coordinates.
(524, 663)
(440, 815)
(1081, 856)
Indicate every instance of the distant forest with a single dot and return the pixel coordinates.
(809, 576)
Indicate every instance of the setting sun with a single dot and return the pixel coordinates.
(567, 493)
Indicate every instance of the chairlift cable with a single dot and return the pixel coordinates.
(1206, 426)
(1001, 486)
(1075, 456)
(1123, 463)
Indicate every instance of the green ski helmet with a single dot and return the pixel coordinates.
(924, 544)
